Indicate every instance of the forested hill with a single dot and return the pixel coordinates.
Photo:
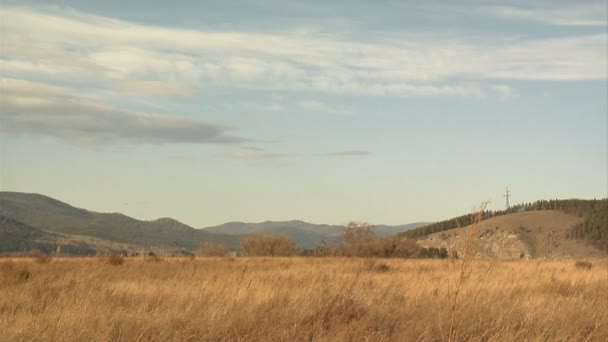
(594, 228)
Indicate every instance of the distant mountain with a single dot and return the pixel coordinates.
(16, 237)
(48, 215)
(34, 221)
(306, 235)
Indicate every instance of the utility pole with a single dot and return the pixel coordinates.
(507, 195)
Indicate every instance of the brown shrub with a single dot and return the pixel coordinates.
(356, 232)
(268, 245)
(389, 247)
(373, 266)
(115, 259)
(40, 258)
(583, 265)
(212, 250)
(152, 258)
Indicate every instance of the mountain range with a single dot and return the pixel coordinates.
(32, 221)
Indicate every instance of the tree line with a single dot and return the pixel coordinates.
(594, 227)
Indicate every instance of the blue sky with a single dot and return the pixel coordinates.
(386, 112)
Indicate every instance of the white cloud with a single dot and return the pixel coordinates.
(348, 154)
(79, 46)
(154, 88)
(504, 92)
(319, 106)
(575, 14)
(35, 108)
(252, 153)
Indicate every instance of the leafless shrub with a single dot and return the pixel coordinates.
(372, 265)
(40, 258)
(152, 258)
(268, 245)
(357, 232)
(212, 250)
(388, 247)
(115, 259)
(583, 265)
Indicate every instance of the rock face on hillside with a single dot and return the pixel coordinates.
(535, 234)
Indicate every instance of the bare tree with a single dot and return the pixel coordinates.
(356, 232)
(268, 245)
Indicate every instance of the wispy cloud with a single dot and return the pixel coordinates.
(153, 88)
(75, 46)
(183, 157)
(574, 14)
(252, 153)
(322, 107)
(36, 108)
(504, 92)
(348, 154)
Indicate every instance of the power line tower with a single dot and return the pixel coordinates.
(507, 195)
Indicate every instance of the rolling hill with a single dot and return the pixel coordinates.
(529, 234)
(37, 222)
(48, 215)
(34, 221)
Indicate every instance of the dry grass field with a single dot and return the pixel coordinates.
(301, 299)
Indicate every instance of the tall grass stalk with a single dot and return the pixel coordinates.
(464, 267)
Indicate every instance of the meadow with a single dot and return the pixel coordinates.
(301, 299)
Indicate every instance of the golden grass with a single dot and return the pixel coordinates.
(300, 299)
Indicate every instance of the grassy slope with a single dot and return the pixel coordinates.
(51, 215)
(508, 236)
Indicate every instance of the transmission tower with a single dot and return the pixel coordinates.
(507, 195)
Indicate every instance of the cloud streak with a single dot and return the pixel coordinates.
(75, 46)
(252, 153)
(35, 108)
(589, 15)
(348, 154)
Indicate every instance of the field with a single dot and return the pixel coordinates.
(301, 299)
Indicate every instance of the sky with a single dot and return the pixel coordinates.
(381, 111)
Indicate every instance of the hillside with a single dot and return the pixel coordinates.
(306, 235)
(50, 215)
(54, 223)
(518, 235)
(593, 228)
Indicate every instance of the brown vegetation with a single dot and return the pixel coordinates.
(268, 245)
(585, 265)
(389, 247)
(115, 259)
(300, 299)
(357, 232)
(358, 240)
(212, 250)
(40, 258)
